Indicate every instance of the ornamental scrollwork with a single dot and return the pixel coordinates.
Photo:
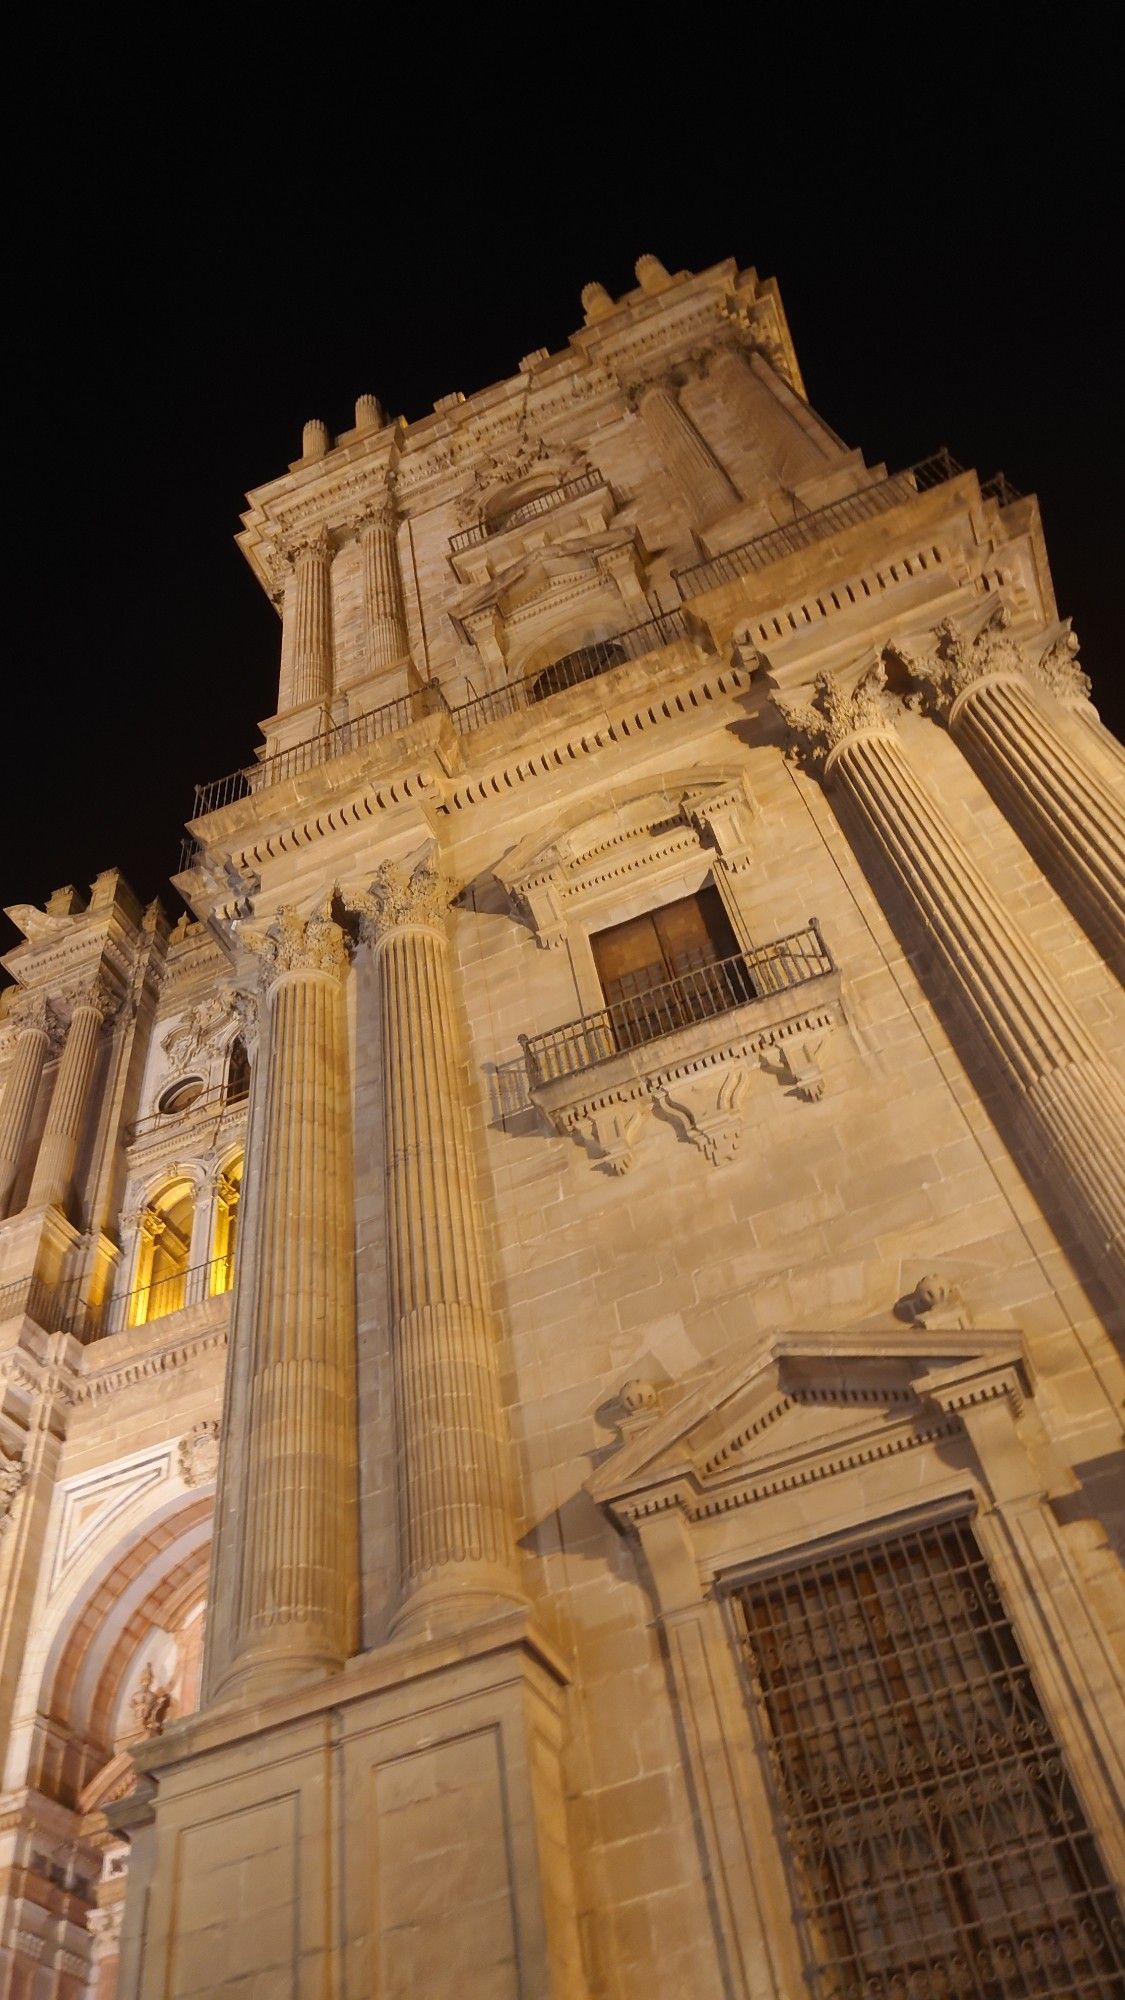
(198, 1453)
(837, 713)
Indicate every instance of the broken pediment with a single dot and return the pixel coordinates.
(803, 1407)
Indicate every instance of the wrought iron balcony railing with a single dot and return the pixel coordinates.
(543, 503)
(213, 1102)
(386, 720)
(762, 550)
(698, 995)
(62, 1309)
(584, 665)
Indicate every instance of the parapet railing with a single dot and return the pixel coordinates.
(218, 1100)
(695, 995)
(757, 553)
(762, 550)
(543, 503)
(62, 1309)
(584, 665)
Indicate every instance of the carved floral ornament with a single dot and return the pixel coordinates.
(838, 713)
(296, 943)
(402, 897)
(201, 1027)
(32, 1013)
(961, 660)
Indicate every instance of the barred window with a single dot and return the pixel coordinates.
(940, 1846)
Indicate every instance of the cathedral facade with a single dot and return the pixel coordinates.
(560, 1337)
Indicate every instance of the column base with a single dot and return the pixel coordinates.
(259, 1676)
(397, 1830)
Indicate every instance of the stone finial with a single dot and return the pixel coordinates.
(638, 1397)
(369, 413)
(934, 1303)
(651, 274)
(315, 441)
(836, 713)
(596, 302)
(64, 902)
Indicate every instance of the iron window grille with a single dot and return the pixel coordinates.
(940, 1845)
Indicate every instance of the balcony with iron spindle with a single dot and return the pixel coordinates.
(63, 1309)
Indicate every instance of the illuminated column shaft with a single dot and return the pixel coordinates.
(1069, 818)
(1071, 1103)
(387, 637)
(1072, 1099)
(455, 1521)
(680, 448)
(52, 1181)
(312, 652)
(20, 1091)
(286, 1588)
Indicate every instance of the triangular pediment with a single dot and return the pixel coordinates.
(798, 1399)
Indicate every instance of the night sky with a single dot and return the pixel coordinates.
(207, 255)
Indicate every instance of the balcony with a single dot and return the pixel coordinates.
(657, 1011)
(215, 1103)
(572, 669)
(529, 510)
(687, 1047)
(879, 498)
(62, 1309)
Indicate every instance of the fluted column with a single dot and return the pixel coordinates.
(684, 454)
(387, 639)
(312, 645)
(34, 1024)
(1066, 813)
(285, 1586)
(53, 1178)
(1071, 1103)
(457, 1555)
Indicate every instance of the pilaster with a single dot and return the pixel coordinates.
(52, 1183)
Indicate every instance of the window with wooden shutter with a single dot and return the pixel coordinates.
(673, 965)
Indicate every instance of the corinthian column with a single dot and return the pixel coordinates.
(387, 641)
(52, 1181)
(285, 1579)
(312, 645)
(1071, 1104)
(34, 1024)
(684, 454)
(457, 1553)
(1068, 816)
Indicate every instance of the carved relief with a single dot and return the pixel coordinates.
(1059, 673)
(293, 943)
(13, 1473)
(403, 898)
(33, 1012)
(198, 1453)
(150, 1704)
(202, 1027)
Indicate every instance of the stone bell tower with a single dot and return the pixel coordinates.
(563, 1379)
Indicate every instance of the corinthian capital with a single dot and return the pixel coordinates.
(33, 1013)
(310, 545)
(294, 943)
(401, 898)
(836, 713)
(99, 997)
(1059, 673)
(960, 660)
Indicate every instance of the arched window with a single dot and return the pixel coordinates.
(228, 1193)
(163, 1254)
(238, 1071)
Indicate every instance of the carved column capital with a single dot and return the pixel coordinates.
(962, 662)
(403, 898)
(294, 943)
(837, 715)
(1059, 673)
(32, 1013)
(309, 545)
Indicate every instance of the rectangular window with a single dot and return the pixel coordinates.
(940, 1843)
(677, 964)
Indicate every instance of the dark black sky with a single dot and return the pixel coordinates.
(207, 249)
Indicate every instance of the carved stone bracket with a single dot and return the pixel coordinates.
(698, 1077)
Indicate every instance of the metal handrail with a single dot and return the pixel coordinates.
(543, 503)
(847, 512)
(358, 730)
(62, 1309)
(219, 1098)
(587, 663)
(694, 995)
